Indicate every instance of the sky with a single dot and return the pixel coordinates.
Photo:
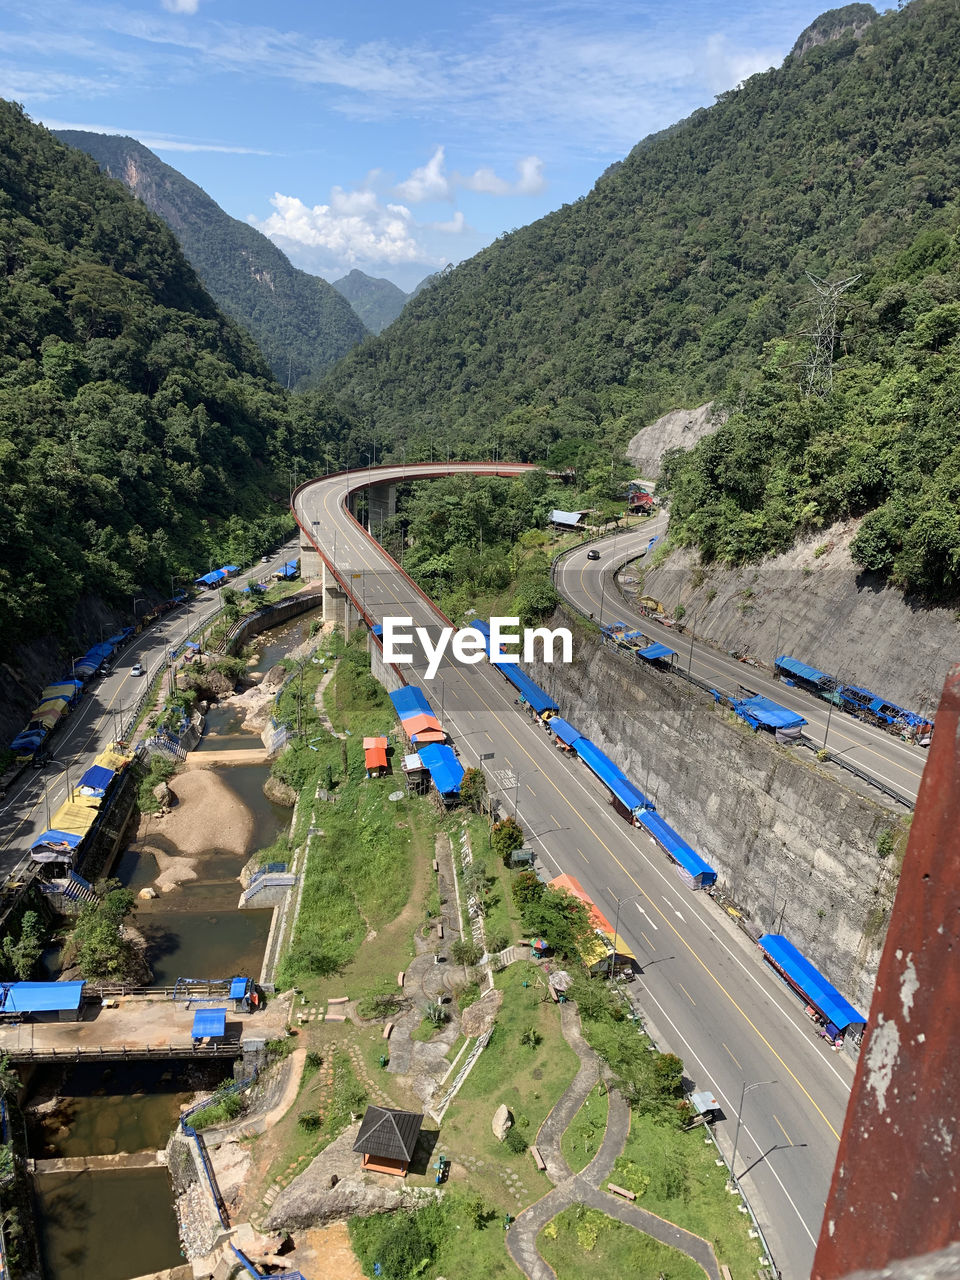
(393, 138)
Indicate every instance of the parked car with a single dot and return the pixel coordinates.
(593, 555)
(264, 559)
(137, 669)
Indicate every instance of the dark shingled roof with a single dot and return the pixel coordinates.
(388, 1133)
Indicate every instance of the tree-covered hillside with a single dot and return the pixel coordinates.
(376, 301)
(300, 322)
(138, 426)
(667, 282)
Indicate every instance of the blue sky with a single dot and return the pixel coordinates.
(390, 137)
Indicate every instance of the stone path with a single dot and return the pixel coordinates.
(584, 1187)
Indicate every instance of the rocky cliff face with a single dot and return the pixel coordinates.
(679, 429)
(796, 850)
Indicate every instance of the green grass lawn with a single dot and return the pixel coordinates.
(446, 1236)
(686, 1187)
(502, 916)
(582, 1139)
(582, 1244)
(528, 1080)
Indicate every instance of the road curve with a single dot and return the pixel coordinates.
(704, 987)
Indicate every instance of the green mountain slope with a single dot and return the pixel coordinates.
(301, 324)
(667, 283)
(139, 428)
(376, 301)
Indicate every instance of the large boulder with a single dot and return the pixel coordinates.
(164, 796)
(502, 1121)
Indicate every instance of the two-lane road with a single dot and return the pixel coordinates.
(591, 586)
(704, 986)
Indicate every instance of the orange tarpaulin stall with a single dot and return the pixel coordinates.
(597, 918)
(375, 753)
(424, 728)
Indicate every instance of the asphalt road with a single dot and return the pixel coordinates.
(704, 987)
(590, 584)
(94, 723)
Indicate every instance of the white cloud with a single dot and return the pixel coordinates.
(181, 6)
(530, 180)
(456, 226)
(353, 228)
(429, 182)
(150, 140)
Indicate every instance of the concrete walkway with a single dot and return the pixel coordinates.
(584, 1188)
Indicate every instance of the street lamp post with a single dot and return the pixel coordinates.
(616, 927)
(137, 600)
(757, 1084)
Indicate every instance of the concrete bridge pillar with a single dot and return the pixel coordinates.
(381, 505)
(310, 562)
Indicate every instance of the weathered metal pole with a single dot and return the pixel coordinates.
(896, 1183)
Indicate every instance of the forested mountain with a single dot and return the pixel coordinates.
(141, 431)
(300, 322)
(682, 277)
(376, 301)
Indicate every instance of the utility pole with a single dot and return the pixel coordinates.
(824, 334)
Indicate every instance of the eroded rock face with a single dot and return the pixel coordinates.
(278, 792)
(314, 1199)
(164, 796)
(502, 1121)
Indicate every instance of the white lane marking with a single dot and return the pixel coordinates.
(650, 922)
(670, 904)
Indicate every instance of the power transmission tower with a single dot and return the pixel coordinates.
(824, 334)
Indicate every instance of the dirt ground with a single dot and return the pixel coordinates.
(208, 815)
(325, 1251)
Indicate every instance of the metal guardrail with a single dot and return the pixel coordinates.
(125, 1053)
(834, 757)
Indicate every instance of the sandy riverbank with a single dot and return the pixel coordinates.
(208, 815)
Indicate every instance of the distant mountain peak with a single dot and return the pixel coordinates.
(376, 301)
(301, 324)
(850, 20)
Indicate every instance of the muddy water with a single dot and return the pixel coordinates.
(106, 1225)
(196, 931)
(122, 1106)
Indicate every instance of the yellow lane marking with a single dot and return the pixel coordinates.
(687, 993)
(736, 1060)
(707, 971)
(583, 856)
(647, 941)
(783, 1131)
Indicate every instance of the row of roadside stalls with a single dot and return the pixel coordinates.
(59, 698)
(834, 1015)
(217, 577)
(427, 736)
(760, 712)
(77, 817)
(858, 701)
(638, 643)
(628, 798)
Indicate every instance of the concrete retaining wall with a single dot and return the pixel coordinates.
(794, 848)
(272, 616)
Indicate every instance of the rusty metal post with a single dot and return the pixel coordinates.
(896, 1184)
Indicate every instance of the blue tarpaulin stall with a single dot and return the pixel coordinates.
(618, 782)
(678, 849)
(762, 711)
(445, 769)
(42, 997)
(809, 981)
(55, 838)
(564, 730)
(410, 701)
(534, 695)
(96, 780)
(797, 668)
(653, 651)
(209, 1022)
(210, 579)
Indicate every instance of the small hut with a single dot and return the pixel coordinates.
(387, 1139)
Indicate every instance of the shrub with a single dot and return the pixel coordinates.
(465, 951)
(515, 1141)
(309, 1121)
(527, 887)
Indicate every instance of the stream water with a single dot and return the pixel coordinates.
(113, 1225)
